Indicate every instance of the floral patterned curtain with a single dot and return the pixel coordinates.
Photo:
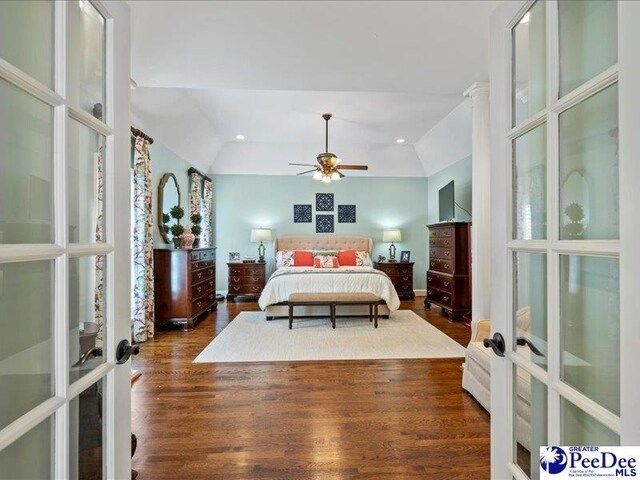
(195, 196)
(99, 274)
(142, 306)
(207, 214)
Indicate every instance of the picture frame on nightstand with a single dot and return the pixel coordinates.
(405, 256)
(234, 256)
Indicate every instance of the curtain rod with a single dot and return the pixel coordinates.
(139, 133)
(195, 170)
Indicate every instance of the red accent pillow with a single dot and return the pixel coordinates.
(347, 258)
(302, 258)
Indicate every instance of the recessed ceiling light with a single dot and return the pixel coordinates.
(526, 18)
(400, 140)
(239, 137)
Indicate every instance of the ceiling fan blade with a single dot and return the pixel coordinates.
(303, 164)
(353, 167)
(308, 171)
(340, 173)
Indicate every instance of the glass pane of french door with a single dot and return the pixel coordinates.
(26, 160)
(87, 433)
(580, 428)
(87, 311)
(529, 421)
(530, 184)
(85, 183)
(590, 334)
(588, 36)
(26, 37)
(31, 456)
(530, 315)
(529, 91)
(86, 55)
(26, 355)
(589, 204)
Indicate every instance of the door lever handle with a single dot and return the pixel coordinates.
(124, 350)
(95, 351)
(496, 343)
(525, 341)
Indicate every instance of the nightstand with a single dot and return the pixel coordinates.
(401, 275)
(245, 279)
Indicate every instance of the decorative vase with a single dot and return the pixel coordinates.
(187, 239)
(177, 242)
(196, 242)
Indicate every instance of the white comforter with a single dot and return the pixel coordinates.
(288, 280)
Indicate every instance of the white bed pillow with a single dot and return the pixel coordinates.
(363, 259)
(284, 258)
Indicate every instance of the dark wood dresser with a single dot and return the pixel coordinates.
(185, 284)
(448, 278)
(245, 279)
(401, 275)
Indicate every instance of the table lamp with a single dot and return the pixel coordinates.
(261, 235)
(392, 236)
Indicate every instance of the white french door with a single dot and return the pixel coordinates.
(565, 228)
(64, 153)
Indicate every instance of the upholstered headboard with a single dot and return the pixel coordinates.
(324, 242)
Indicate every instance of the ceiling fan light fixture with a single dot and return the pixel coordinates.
(335, 176)
(326, 179)
(317, 175)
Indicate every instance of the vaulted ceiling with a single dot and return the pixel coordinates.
(208, 71)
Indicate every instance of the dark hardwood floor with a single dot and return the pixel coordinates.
(382, 419)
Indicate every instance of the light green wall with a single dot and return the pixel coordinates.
(164, 161)
(460, 172)
(243, 202)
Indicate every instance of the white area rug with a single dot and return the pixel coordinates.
(250, 338)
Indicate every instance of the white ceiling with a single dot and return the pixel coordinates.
(268, 70)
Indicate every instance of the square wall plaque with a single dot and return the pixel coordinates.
(324, 202)
(324, 223)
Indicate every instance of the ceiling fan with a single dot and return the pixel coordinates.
(329, 164)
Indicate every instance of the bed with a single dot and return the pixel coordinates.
(287, 280)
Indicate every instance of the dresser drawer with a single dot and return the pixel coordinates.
(440, 232)
(245, 289)
(440, 265)
(437, 296)
(403, 288)
(241, 279)
(444, 253)
(401, 279)
(202, 288)
(441, 282)
(441, 241)
(386, 269)
(203, 274)
(247, 269)
(207, 255)
(199, 304)
(200, 264)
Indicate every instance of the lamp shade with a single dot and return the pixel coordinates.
(391, 236)
(260, 235)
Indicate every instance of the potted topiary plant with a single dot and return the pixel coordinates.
(177, 230)
(196, 229)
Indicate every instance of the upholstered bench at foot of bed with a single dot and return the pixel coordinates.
(332, 300)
